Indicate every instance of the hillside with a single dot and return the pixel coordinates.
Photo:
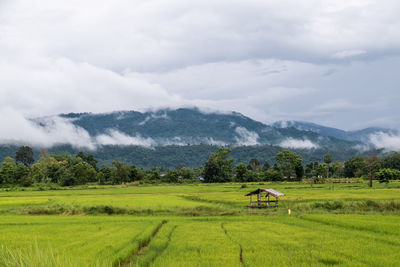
(193, 127)
(169, 138)
(362, 135)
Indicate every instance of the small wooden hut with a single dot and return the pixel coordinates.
(260, 203)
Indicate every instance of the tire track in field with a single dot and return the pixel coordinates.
(142, 246)
(163, 248)
(348, 226)
(365, 233)
(233, 241)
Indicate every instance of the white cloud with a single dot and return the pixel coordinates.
(348, 53)
(266, 59)
(114, 137)
(246, 137)
(19, 130)
(298, 143)
(386, 141)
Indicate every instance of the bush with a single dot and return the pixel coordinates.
(317, 180)
(385, 175)
(330, 205)
(272, 175)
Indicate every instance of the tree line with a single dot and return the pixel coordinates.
(66, 169)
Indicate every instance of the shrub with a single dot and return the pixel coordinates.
(329, 205)
(272, 175)
(384, 175)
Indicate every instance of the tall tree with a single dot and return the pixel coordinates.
(266, 166)
(7, 171)
(287, 162)
(25, 155)
(219, 168)
(328, 158)
(88, 158)
(392, 161)
(241, 172)
(373, 165)
(355, 167)
(254, 165)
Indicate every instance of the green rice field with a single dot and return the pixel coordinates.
(333, 224)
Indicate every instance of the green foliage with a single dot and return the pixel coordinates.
(241, 172)
(272, 175)
(355, 167)
(22, 175)
(88, 158)
(321, 170)
(392, 161)
(83, 173)
(328, 158)
(386, 174)
(7, 171)
(266, 166)
(120, 174)
(25, 155)
(254, 165)
(172, 177)
(287, 162)
(219, 168)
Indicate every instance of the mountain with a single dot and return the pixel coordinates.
(168, 138)
(359, 135)
(192, 126)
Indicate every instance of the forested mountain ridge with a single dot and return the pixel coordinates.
(362, 135)
(168, 138)
(191, 126)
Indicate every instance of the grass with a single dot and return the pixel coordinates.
(81, 240)
(345, 224)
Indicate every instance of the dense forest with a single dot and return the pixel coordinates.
(66, 169)
(192, 156)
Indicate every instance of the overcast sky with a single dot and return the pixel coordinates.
(330, 62)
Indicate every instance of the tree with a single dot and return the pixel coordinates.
(120, 173)
(373, 165)
(272, 175)
(386, 174)
(218, 168)
(241, 172)
(254, 165)
(172, 177)
(299, 170)
(287, 162)
(45, 166)
(88, 158)
(22, 175)
(83, 172)
(107, 172)
(392, 161)
(266, 166)
(355, 167)
(25, 155)
(328, 158)
(66, 177)
(321, 170)
(7, 173)
(336, 169)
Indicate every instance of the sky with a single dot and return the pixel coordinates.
(334, 63)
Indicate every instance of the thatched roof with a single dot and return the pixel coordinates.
(270, 191)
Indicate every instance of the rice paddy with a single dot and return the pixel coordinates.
(343, 224)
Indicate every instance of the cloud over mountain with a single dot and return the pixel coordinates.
(326, 62)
